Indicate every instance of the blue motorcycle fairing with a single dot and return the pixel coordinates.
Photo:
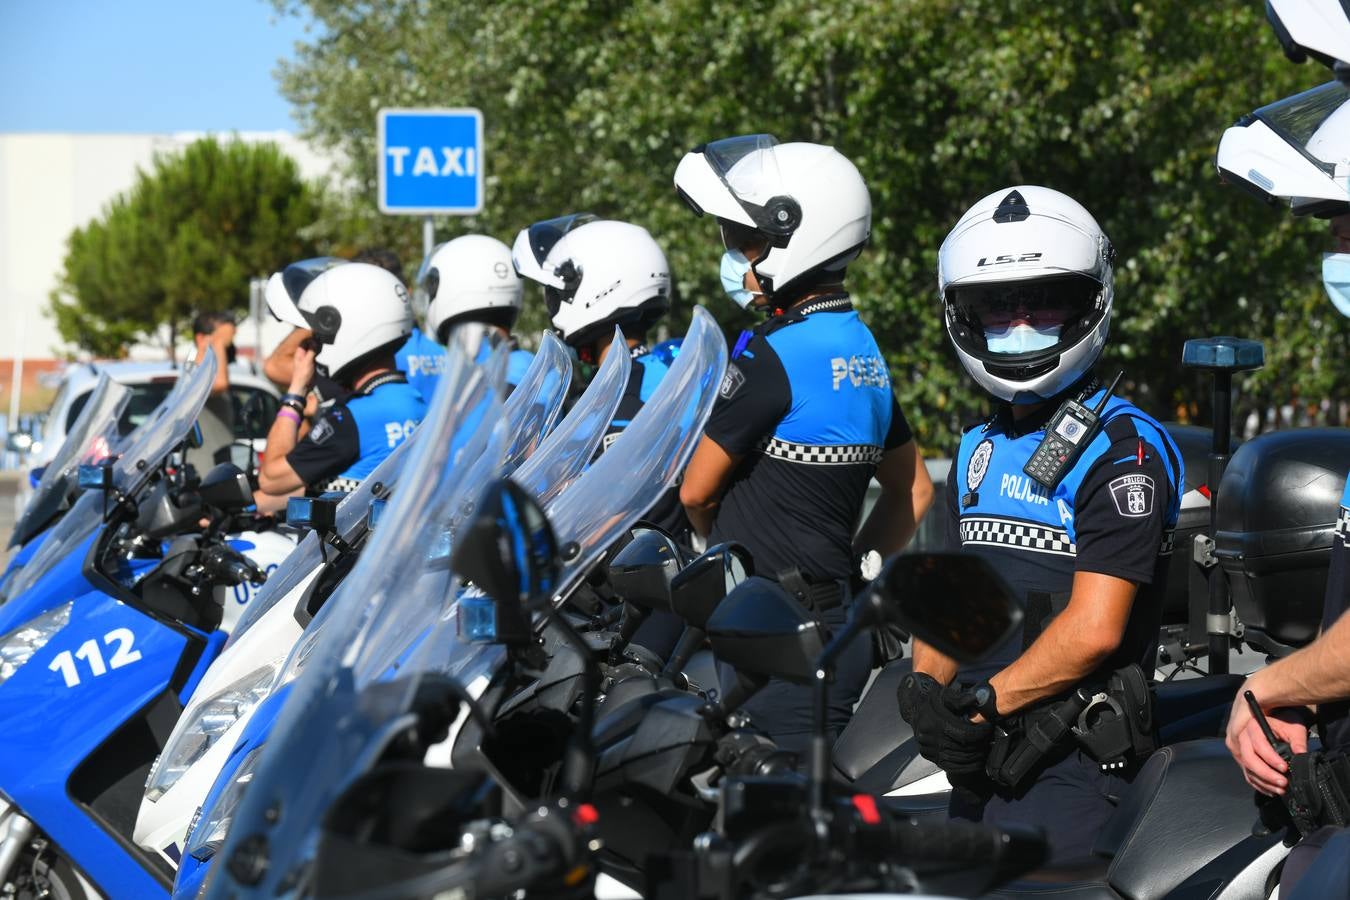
(64, 581)
(20, 559)
(53, 725)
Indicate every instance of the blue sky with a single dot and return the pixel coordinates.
(143, 65)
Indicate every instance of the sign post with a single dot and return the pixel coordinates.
(430, 163)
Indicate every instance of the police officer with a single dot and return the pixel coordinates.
(1317, 675)
(805, 415)
(469, 287)
(1026, 284)
(419, 358)
(358, 315)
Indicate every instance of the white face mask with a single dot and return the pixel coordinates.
(1021, 338)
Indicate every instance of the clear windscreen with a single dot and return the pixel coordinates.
(568, 450)
(91, 439)
(536, 404)
(139, 458)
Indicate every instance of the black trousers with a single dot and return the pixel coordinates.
(1071, 799)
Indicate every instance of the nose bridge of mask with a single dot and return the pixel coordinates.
(1336, 280)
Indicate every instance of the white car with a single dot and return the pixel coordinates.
(254, 398)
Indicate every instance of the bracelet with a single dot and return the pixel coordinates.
(291, 404)
(287, 413)
(292, 396)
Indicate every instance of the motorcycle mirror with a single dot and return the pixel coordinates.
(697, 590)
(96, 477)
(954, 602)
(642, 572)
(226, 488)
(318, 513)
(761, 630)
(510, 555)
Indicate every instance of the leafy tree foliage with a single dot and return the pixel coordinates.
(590, 105)
(186, 237)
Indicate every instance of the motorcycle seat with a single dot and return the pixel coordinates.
(1187, 805)
(876, 728)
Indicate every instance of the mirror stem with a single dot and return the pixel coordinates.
(691, 639)
(821, 760)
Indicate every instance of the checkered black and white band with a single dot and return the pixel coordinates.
(344, 485)
(993, 531)
(820, 455)
(1343, 525)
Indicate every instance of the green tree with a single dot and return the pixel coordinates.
(590, 105)
(186, 237)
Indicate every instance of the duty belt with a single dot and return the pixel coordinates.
(818, 597)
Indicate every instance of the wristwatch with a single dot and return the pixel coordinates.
(986, 701)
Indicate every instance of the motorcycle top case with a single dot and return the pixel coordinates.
(1278, 503)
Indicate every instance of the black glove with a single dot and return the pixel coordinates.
(913, 692)
(946, 735)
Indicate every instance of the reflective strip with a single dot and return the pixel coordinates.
(344, 485)
(821, 455)
(1014, 533)
(1343, 525)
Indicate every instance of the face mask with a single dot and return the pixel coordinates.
(1336, 280)
(734, 267)
(1021, 338)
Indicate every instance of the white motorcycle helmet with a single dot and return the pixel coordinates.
(807, 201)
(1295, 150)
(1021, 250)
(355, 310)
(1319, 29)
(596, 274)
(469, 279)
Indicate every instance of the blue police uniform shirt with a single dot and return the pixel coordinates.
(807, 405)
(422, 360)
(517, 362)
(1334, 718)
(1113, 513)
(354, 435)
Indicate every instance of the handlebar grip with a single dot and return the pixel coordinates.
(943, 842)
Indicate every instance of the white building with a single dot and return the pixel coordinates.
(51, 184)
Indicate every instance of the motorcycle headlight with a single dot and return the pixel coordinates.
(17, 647)
(204, 725)
(211, 825)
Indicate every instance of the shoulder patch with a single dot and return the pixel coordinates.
(1133, 495)
(731, 381)
(979, 464)
(322, 431)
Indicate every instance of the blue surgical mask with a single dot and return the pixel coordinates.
(734, 267)
(1336, 280)
(1021, 338)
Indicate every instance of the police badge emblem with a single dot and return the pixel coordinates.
(1133, 495)
(979, 464)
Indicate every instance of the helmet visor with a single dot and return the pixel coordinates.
(1302, 119)
(1066, 302)
(748, 168)
(427, 281)
(544, 236)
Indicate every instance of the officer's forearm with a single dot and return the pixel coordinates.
(1072, 646)
(1318, 673)
(701, 518)
(931, 662)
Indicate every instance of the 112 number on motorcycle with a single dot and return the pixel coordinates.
(92, 655)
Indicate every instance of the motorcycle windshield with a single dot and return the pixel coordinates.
(139, 458)
(534, 406)
(347, 705)
(398, 584)
(568, 450)
(350, 522)
(91, 439)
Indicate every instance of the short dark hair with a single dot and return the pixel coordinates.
(383, 257)
(207, 322)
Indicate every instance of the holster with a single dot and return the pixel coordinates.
(1319, 790)
(1021, 743)
(817, 597)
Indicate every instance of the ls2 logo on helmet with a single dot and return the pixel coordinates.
(979, 464)
(1133, 495)
(1006, 258)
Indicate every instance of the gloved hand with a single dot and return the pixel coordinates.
(913, 691)
(947, 737)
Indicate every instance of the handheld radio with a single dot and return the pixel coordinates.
(1068, 432)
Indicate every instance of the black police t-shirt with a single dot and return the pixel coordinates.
(808, 407)
(1026, 535)
(1334, 718)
